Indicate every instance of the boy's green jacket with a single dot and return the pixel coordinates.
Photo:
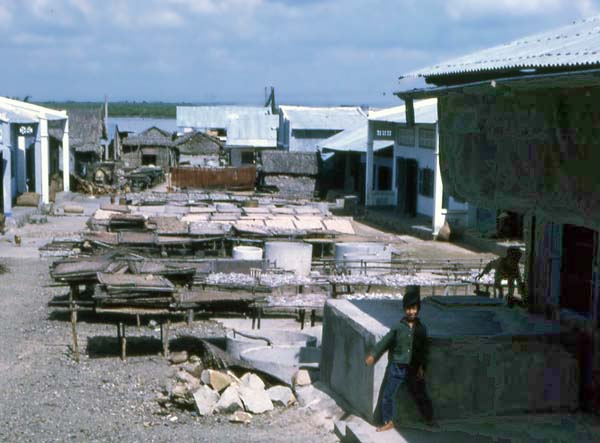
(405, 345)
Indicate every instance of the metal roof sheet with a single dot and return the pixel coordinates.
(253, 130)
(425, 112)
(137, 125)
(353, 140)
(341, 117)
(576, 44)
(16, 111)
(214, 117)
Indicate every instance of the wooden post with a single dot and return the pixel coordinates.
(190, 317)
(138, 321)
(123, 341)
(73, 294)
(165, 336)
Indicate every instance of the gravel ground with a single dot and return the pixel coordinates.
(45, 396)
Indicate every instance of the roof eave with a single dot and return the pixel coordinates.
(531, 80)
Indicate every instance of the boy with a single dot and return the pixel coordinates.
(506, 268)
(407, 346)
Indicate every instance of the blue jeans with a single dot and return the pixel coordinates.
(396, 375)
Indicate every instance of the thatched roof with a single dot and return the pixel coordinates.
(86, 129)
(197, 143)
(289, 163)
(150, 137)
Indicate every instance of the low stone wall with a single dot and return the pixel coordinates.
(483, 360)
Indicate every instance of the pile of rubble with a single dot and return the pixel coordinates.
(210, 391)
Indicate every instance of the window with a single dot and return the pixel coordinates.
(426, 138)
(406, 136)
(426, 182)
(247, 158)
(148, 160)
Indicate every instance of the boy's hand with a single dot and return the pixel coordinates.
(420, 373)
(369, 360)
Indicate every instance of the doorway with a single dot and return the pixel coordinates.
(407, 174)
(578, 250)
(30, 167)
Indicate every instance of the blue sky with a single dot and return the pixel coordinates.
(317, 52)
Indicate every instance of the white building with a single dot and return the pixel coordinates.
(34, 145)
(302, 128)
(416, 182)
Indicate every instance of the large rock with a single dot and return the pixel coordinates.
(256, 401)
(205, 399)
(73, 209)
(194, 369)
(281, 395)
(252, 381)
(215, 379)
(230, 400)
(240, 417)
(178, 357)
(301, 378)
(187, 378)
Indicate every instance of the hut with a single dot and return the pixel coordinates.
(198, 149)
(87, 132)
(153, 146)
(293, 174)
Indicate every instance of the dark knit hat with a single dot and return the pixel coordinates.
(412, 296)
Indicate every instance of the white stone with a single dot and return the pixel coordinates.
(240, 417)
(205, 399)
(281, 395)
(301, 378)
(178, 357)
(252, 381)
(230, 400)
(215, 379)
(256, 401)
(186, 377)
(193, 368)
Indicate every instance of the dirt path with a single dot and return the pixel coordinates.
(45, 396)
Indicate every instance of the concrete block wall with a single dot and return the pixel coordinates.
(511, 367)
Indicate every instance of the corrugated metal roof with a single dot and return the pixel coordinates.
(253, 130)
(341, 117)
(16, 111)
(137, 125)
(355, 140)
(576, 44)
(214, 117)
(425, 112)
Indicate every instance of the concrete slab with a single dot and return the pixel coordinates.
(483, 359)
(342, 226)
(468, 300)
(359, 431)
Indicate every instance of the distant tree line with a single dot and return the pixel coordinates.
(123, 109)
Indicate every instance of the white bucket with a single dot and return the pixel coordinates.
(247, 253)
(291, 256)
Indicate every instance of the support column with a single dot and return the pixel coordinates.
(37, 161)
(438, 190)
(66, 158)
(21, 172)
(395, 166)
(369, 165)
(6, 181)
(45, 161)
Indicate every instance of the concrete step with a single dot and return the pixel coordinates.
(563, 428)
(363, 432)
